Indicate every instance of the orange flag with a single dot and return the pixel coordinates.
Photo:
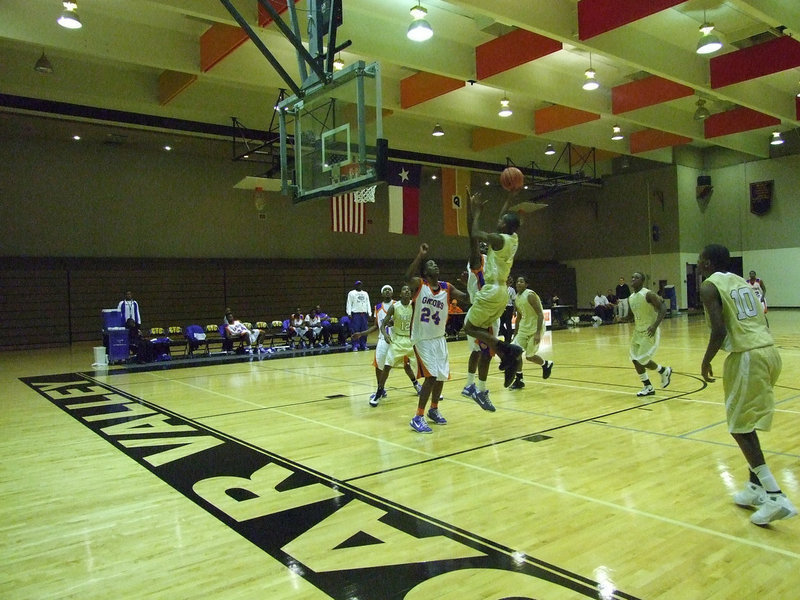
(454, 201)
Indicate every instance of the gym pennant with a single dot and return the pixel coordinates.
(454, 207)
(347, 215)
(403, 180)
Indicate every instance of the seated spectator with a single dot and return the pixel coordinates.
(602, 309)
(344, 330)
(327, 327)
(299, 331)
(454, 307)
(314, 322)
(236, 330)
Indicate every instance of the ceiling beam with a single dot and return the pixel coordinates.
(511, 50)
(599, 16)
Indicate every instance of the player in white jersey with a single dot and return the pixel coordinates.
(760, 290)
(530, 327)
(382, 346)
(648, 311)
(431, 303)
(396, 330)
(490, 301)
(751, 370)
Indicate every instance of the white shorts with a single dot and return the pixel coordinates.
(643, 347)
(488, 305)
(748, 378)
(433, 359)
(526, 341)
(254, 336)
(400, 350)
(381, 349)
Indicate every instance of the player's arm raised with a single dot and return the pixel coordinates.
(495, 240)
(412, 272)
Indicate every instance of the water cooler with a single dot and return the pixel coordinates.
(115, 336)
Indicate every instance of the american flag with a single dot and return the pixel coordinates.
(347, 215)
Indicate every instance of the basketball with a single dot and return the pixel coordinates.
(512, 179)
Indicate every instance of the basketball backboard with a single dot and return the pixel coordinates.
(332, 137)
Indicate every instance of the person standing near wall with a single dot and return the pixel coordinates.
(130, 312)
(358, 308)
(623, 292)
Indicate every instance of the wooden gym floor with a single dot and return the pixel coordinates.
(276, 479)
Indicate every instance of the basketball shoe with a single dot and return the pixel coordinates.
(775, 507)
(436, 416)
(419, 425)
(418, 387)
(647, 390)
(751, 495)
(517, 385)
(547, 367)
(665, 376)
(482, 399)
(469, 390)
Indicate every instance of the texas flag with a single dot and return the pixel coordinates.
(403, 180)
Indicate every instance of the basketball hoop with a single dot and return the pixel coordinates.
(364, 195)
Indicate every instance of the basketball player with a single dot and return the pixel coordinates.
(760, 290)
(396, 328)
(648, 311)
(431, 299)
(481, 354)
(382, 347)
(751, 369)
(530, 326)
(490, 301)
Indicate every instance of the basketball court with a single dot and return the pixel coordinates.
(276, 479)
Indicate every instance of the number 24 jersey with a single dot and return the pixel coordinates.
(430, 311)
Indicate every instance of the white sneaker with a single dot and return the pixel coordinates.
(775, 507)
(751, 495)
(418, 387)
(647, 390)
(665, 377)
(373, 399)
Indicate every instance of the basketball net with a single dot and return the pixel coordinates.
(364, 195)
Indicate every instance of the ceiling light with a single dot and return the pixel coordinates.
(43, 65)
(505, 108)
(338, 63)
(69, 16)
(76, 137)
(701, 112)
(776, 140)
(419, 30)
(708, 42)
(167, 148)
(549, 150)
(591, 81)
(418, 12)
(617, 133)
(437, 131)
